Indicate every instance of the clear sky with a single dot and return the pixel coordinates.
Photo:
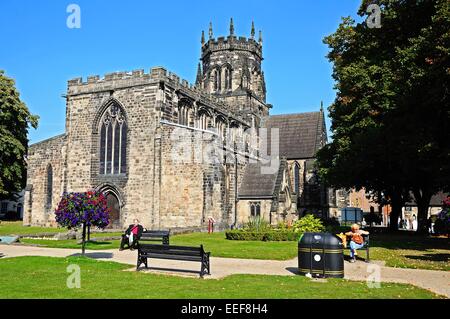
(41, 53)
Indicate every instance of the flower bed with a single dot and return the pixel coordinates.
(259, 230)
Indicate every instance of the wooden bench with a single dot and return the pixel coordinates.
(365, 246)
(146, 251)
(156, 235)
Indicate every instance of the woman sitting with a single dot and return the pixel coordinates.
(356, 240)
(132, 235)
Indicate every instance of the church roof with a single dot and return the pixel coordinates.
(255, 184)
(300, 134)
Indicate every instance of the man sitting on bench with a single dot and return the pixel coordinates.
(356, 240)
(132, 235)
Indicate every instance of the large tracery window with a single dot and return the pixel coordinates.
(113, 141)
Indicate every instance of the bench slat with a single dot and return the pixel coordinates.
(174, 257)
(167, 247)
(171, 252)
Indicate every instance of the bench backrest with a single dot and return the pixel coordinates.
(172, 250)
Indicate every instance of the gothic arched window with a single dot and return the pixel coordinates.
(49, 190)
(228, 78)
(217, 80)
(113, 141)
(184, 113)
(296, 178)
(203, 120)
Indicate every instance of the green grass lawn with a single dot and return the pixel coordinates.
(215, 243)
(46, 277)
(17, 228)
(403, 250)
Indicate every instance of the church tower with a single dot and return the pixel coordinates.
(231, 70)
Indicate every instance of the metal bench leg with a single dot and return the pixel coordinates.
(138, 263)
(367, 256)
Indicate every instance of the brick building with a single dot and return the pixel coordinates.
(174, 154)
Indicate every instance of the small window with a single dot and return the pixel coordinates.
(4, 207)
(255, 209)
(49, 186)
(297, 178)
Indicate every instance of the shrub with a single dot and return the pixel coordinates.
(257, 224)
(267, 235)
(309, 223)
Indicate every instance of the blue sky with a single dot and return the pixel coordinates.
(41, 53)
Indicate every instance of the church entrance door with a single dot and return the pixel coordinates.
(114, 206)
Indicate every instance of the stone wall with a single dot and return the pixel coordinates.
(38, 210)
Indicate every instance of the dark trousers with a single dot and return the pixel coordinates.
(126, 241)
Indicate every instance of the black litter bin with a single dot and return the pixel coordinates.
(321, 255)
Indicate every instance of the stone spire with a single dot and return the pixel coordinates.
(252, 33)
(260, 37)
(203, 37)
(231, 27)
(198, 80)
(210, 31)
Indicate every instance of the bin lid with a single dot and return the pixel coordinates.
(320, 240)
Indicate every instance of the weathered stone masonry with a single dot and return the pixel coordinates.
(167, 152)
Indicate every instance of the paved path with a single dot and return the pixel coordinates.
(436, 281)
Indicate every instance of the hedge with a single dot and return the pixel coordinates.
(268, 235)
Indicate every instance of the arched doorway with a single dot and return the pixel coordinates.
(114, 206)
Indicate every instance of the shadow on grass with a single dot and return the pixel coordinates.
(293, 270)
(410, 241)
(431, 257)
(94, 255)
(168, 271)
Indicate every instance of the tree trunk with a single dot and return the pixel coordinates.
(83, 240)
(396, 211)
(423, 202)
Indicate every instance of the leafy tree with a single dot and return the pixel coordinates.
(15, 120)
(390, 118)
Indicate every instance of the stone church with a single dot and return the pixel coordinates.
(175, 154)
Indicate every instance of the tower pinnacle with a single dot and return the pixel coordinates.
(210, 31)
(203, 37)
(252, 33)
(260, 37)
(198, 80)
(231, 27)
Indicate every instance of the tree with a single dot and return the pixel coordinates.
(82, 210)
(15, 120)
(390, 118)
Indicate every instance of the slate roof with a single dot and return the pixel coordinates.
(300, 134)
(257, 185)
